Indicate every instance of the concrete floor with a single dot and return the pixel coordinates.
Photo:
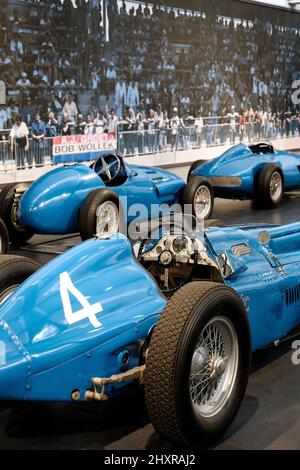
(269, 417)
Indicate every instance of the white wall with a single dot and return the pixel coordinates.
(276, 3)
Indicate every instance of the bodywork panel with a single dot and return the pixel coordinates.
(51, 204)
(241, 161)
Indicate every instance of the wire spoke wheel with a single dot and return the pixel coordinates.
(202, 202)
(214, 367)
(275, 186)
(107, 218)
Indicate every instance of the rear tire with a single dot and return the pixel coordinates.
(193, 167)
(269, 187)
(199, 194)
(99, 200)
(14, 270)
(17, 234)
(182, 354)
(4, 238)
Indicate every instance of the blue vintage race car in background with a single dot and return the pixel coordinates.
(182, 316)
(258, 172)
(86, 199)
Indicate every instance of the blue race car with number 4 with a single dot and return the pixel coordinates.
(258, 172)
(93, 199)
(181, 313)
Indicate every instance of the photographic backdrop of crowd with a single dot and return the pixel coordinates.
(158, 78)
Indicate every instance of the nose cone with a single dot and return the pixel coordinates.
(15, 365)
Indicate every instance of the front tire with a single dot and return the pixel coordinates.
(198, 364)
(269, 187)
(199, 194)
(14, 270)
(17, 233)
(99, 214)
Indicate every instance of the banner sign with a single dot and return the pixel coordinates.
(79, 148)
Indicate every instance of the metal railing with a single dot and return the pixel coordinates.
(144, 142)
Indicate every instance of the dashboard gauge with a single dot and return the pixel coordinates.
(168, 244)
(179, 244)
(166, 257)
(158, 249)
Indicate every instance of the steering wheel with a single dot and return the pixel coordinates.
(108, 167)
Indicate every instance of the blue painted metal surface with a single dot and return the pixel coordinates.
(51, 205)
(241, 161)
(46, 354)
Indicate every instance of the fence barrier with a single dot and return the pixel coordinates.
(145, 141)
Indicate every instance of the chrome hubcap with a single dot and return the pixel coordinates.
(107, 218)
(214, 367)
(202, 202)
(275, 186)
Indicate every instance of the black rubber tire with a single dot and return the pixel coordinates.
(87, 213)
(190, 189)
(214, 223)
(6, 201)
(262, 197)
(4, 237)
(193, 167)
(14, 270)
(169, 357)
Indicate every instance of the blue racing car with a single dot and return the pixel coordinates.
(182, 315)
(258, 172)
(94, 199)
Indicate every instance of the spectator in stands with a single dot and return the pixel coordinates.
(28, 112)
(19, 142)
(120, 96)
(70, 83)
(3, 118)
(152, 132)
(5, 58)
(112, 123)
(95, 83)
(111, 77)
(100, 123)
(59, 86)
(89, 127)
(175, 125)
(38, 131)
(70, 108)
(17, 48)
(94, 109)
(51, 125)
(12, 111)
(233, 117)
(55, 104)
(23, 82)
(199, 129)
(140, 125)
(80, 127)
(67, 125)
(131, 137)
(133, 99)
